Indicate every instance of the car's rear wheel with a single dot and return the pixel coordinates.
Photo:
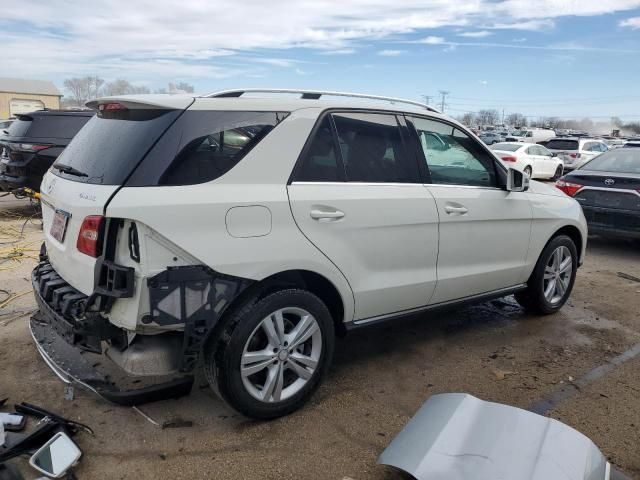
(558, 173)
(271, 354)
(528, 171)
(553, 277)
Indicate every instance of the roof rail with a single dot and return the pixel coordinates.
(314, 95)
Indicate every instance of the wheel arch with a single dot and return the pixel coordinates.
(308, 280)
(574, 234)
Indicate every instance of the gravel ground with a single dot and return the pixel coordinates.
(380, 377)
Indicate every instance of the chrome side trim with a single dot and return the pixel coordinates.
(603, 189)
(394, 184)
(473, 298)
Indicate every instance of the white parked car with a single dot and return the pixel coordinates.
(575, 152)
(535, 160)
(245, 233)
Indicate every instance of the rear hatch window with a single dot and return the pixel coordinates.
(47, 126)
(562, 144)
(111, 145)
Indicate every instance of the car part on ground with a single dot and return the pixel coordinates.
(325, 214)
(56, 456)
(608, 189)
(32, 143)
(456, 436)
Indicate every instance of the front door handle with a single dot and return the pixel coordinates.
(326, 215)
(451, 210)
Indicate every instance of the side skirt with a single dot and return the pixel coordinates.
(483, 297)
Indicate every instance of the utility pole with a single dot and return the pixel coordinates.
(503, 116)
(427, 99)
(444, 94)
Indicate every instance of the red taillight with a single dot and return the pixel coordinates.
(574, 155)
(567, 187)
(509, 158)
(90, 236)
(112, 106)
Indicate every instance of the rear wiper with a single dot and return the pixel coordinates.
(69, 170)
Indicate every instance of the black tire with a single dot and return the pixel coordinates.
(528, 171)
(558, 174)
(223, 354)
(533, 298)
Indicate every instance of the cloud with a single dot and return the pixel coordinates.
(341, 51)
(533, 25)
(431, 40)
(156, 40)
(483, 82)
(633, 22)
(519, 39)
(479, 34)
(390, 53)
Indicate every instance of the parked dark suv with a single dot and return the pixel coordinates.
(33, 142)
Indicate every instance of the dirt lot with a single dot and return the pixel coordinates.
(380, 377)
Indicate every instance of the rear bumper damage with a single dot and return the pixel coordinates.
(73, 351)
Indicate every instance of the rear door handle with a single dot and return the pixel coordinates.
(451, 210)
(326, 215)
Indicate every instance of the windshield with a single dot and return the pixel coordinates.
(111, 145)
(562, 144)
(619, 160)
(506, 147)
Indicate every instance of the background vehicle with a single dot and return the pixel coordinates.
(575, 152)
(491, 137)
(531, 158)
(4, 124)
(33, 142)
(632, 144)
(608, 188)
(324, 215)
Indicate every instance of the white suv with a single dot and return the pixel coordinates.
(246, 233)
(575, 152)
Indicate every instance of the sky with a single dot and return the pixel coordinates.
(571, 58)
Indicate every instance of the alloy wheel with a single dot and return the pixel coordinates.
(281, 354)
(557, 275)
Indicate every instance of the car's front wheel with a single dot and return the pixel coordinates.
(271, 354)
(552, 280)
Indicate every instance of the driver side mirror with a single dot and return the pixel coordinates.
(517, 181)
(56, 456)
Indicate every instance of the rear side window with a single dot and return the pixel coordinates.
(561, 144)
(320, 162)
(372, 149)
(48, 126)
(209, 156)
(111, 144)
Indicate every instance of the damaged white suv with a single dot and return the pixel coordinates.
(244, 232)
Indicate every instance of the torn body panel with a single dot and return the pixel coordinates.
(456, 436)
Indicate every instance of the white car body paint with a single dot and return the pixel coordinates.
(395, 248)
(536, 157)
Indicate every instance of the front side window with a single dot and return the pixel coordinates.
(372, 149)
(456, 159)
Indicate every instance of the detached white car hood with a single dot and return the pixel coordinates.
(456, 436)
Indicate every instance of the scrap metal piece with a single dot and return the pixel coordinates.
(456, 436)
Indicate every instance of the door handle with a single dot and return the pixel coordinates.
(450, 209)
(326, 215)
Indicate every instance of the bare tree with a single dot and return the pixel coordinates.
(123, 87)
(488, 117)
(516, 120)
(186, 87)
(468, 119)
(84, 89)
